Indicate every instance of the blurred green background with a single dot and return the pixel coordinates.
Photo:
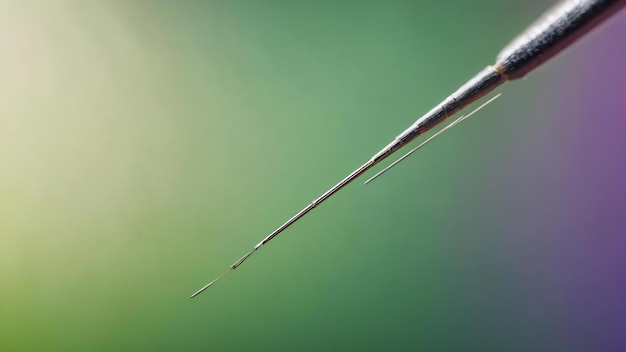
(146, 145)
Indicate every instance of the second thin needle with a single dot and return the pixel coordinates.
(452, 124)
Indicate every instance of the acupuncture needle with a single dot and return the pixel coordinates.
(559, 27)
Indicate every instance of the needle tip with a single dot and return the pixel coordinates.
(232, 267)
(207, 285)
(211, 283)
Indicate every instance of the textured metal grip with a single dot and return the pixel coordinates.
(553, 32)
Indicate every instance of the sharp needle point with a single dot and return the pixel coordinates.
(452, 124)
(232, 267)
(211, 283)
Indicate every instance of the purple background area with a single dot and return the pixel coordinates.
(568, 231)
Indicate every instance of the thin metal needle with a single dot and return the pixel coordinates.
(452, 124)
(553, 32)
(356, 173)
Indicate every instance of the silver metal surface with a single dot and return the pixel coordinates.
(555, 30)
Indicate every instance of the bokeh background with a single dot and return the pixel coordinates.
(146, 145)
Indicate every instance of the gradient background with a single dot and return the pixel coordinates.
(145, 146)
